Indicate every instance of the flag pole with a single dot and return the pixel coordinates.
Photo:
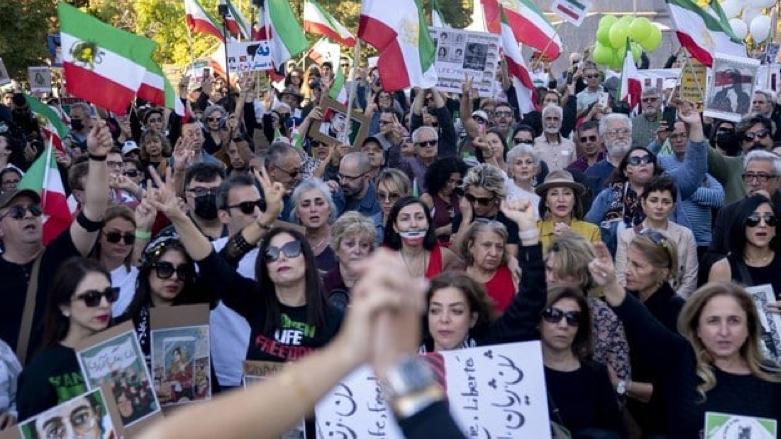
(190, 43)
(46, 173)
(550, 40)
(223, 10)
(353, 86)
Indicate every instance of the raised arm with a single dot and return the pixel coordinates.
(690, 175)
(84, 231)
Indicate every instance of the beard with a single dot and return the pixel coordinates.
(618, 148)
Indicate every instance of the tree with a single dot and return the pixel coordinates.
(23, 28)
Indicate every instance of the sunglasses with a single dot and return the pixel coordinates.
(554, 316)
(19, 211)
(291, 250)
(761, 134)
(523, 142)
(248, 207)
(635, 160)
(754, 219)
(649, 100)
(585, 139)
(92, 298)
(385, 196)
(591, 76)
(132, 173)
(115, 237)
(202, 191)
(483, 201)
(427, 143)
(165, 270)
(213, 119)
(479, 120)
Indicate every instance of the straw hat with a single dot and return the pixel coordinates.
(559, 179)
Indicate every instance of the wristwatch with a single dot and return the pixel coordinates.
(621, 388)
(411, 387)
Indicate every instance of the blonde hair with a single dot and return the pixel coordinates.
(689, 321)
(470, 236)
(572, 253)
(660, 251)
(352, 224)
(488, 177)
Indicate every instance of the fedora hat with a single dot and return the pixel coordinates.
(559, 179)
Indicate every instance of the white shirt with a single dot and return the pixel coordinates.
(124, 279)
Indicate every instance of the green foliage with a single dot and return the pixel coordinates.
(23, 28)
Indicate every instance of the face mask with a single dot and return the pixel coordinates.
(728, 141)
(206, 206)
(77, 124)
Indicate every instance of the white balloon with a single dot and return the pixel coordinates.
(760, 28)
(732, 8)
(749, 14)
(739, 27)
(761, 4)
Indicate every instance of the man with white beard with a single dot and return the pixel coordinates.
(551, 147)
(616, 131)
(644, 125)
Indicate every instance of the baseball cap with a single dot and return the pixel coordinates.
(129, 147)
(7, 197)
(481, 114)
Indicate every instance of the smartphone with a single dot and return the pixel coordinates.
(669, 116)
(603, 99)
(206, 72)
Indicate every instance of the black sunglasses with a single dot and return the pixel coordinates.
(554, 315)
(427, 143)
(483, 201)
(585, 139)
(115, 237)
(132, 173)
(635, 160)
(523, 142)
(761, 134)
(202, 191)
(291, 174)
(754, 219)
(248, 207)
(291, 250)
(19, 211)
(165, 270)
(92, 298)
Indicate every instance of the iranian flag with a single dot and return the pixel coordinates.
(198, 20)
(516, 67)
(44, 178)
(528, 23)
(701, 33)
(103, 65)
(286, 38)
(437, 19)
(398, 30)
(157, 89)
(338, 91)
(54, 129)
(630, 89)
(236, 23)
(318, 21)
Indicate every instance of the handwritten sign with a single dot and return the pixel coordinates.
(693, 81)
(249, 56)
(494, 392)
(724, 425)
(463, 53)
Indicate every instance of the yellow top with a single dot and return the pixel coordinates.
(589, 231)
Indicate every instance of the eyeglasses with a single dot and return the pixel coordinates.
(115, 237)
(503, 113)
(345, 65)
(132, 173)
(213, 119)
(479, 120)
(92, 298)
(591, 76)
(519, 141)
(636, 160)
(154, 120)
(164, 270)
(761, 134)
(649, 100)
(679, 136)
(112, 164)
(482, 201)
(388, 196)
(585, 139)
(350, 178)
(554, 316)
(427, 143)
(19, 211)
(292, 174)
(248, 207)
(754, 219)
(760, 177)
(615, 133)
(7, 182)
(291, 250)
(202, 191)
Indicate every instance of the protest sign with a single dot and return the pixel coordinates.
(40, 79)
(333, 127)
(249, 56)
(462, 54)
(493, 391)
(724, 425)
(731, 87)
(5, 78)
(770, 322)
(693, 81)
(573, 11)
(257, 371)
(769, 77)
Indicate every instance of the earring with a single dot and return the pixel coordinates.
(66, 314)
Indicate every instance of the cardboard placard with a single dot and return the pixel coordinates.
(770, 336)
(492, 391)
(333, 129)
(181, 355)
(114, 358)
(40, 79)
(693, 81)
(257, 371)
(731, 87)
(462, 54)
(725, 425)
(249, 56)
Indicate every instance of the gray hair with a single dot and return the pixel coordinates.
(361, 160)
(83, 105)
(423, 129)
(305, 186)
(398, 178)
(476, 228)
(769, 94)
(278, 152)
(651, 91)
(352, 224)
(552, 107)
(613, 116)
(774, 160)
(488, 177)
(211, 109)
(522, 150)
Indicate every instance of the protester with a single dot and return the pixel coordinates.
(114, 251)
(353, 237)
(315, 210)
(485, 257)
(561, 210)
(443, 183)
(392, 185)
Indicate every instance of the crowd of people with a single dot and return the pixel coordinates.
(619, 242)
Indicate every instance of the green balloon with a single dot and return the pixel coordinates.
(640, 29)
(607, 21)
(626, 19)
(618, 59)
(603, 55)
(637, 51)
(653, 40)
(603, 35)
(618, 34)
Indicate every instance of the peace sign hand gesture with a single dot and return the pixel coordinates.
(273, 194)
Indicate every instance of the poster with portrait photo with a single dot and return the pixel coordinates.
(333, 128)
(463, 54)
(87, 416)
(770, 337)
(113, 358)
(731, 87)
(257, 371)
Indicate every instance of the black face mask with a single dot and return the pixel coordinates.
(728, 141)
(206, 207)
(77, 125)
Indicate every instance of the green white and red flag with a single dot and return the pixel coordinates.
(44, 178)
(437, 19)
(286, 38)
(318, 21)
(54, 129)
(103, 65)
(157, 89)
(398, 30)
(338, 91)
(516, 67)
(630, 88)
(701, 33)
(237, 23)
(530, 26)
(200, 21)
(573, 11)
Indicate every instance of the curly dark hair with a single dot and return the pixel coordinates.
(438, 173)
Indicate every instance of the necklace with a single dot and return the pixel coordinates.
(762, 260)
(317, 245)
(416, 272)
